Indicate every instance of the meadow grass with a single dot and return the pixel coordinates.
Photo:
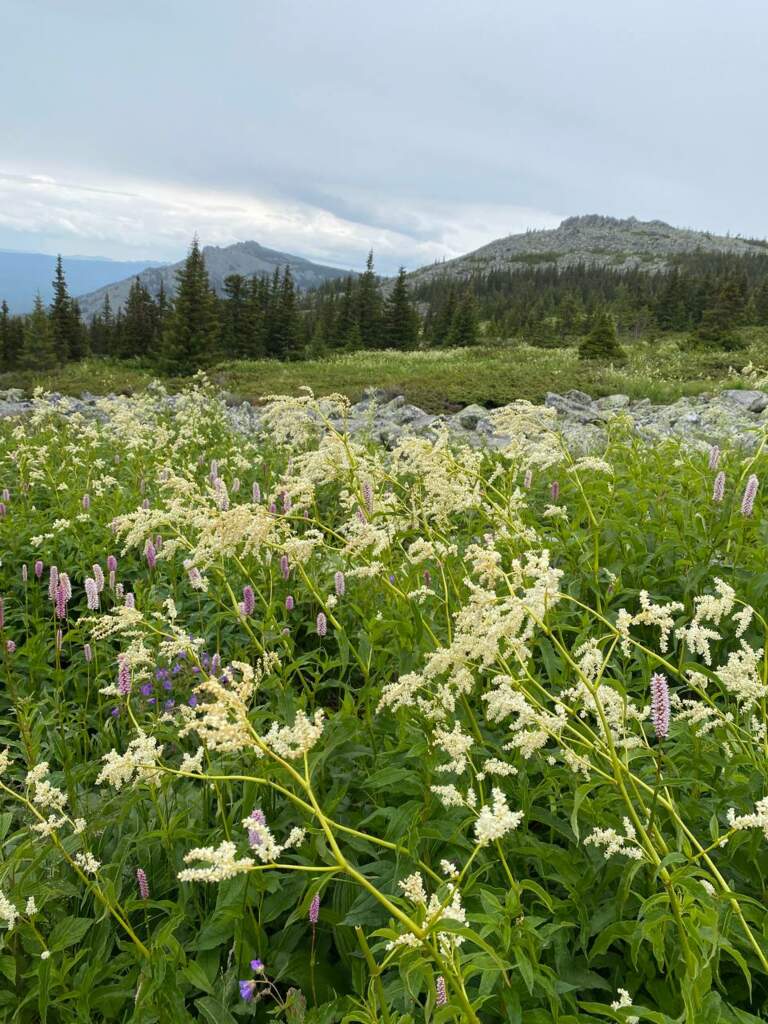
(443, 380)
(295, 728)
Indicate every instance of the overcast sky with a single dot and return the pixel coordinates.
(423, 128)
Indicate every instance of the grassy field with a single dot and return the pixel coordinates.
(661, 370)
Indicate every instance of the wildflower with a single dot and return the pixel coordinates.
(150, 554)
(8, 911)
(87, 863)
(249, 600)
(130, 600)
(289, 603)
(10, 646)
(493, 823)
(220, 862)
(285, 568)
(554, 491)
(714, 457)
(368, 496)
(287, 503)
(86, 502)
(528, 479)
(98, 575)
(141, 879)
(314, 910)
(339, 584)
(92, 594)
(660, 705)
(24, 573)
(124, 677)
(59, 639)
(322, 624)
(45, 954)
(750, 492)
(441, 996)
(257, 965)
(87, 653)
(256, 493)
(38, 568)
(247, 990)
(719, 489)
(111, 563)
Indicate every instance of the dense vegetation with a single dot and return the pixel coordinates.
(709, 298)
(296, 728)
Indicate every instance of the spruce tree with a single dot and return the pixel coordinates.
(601, 341)
(9, 352)
(68, 336)
(369, 306)
(401, 321)
(464, 327)
(286, 336)
(139, 324)
(192, 333)
(39, 350)
(719, 322)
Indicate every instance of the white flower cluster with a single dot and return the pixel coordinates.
(221, 863)
(612, 842)
(293, 741)
(135, 765)
(262, 841)
(497, 820)
(758, 819)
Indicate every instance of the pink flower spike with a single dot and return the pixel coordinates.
(660, 705)
(750, 492)
(719, 489)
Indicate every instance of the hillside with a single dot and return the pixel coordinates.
(246, 258)
(24, 274)
(593, 240)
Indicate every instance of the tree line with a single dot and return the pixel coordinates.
(706, 296)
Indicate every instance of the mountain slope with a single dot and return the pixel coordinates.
(594, 240)
(24, 274)
(246, 258)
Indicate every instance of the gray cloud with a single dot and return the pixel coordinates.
(422, 128)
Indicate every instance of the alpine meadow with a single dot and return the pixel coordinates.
(383, 531)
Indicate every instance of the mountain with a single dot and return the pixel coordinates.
(594, 240)
(246, 258)
(24, 274)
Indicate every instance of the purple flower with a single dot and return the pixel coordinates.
(314, 909)
(141, 879)
(257, 965)
(554, 490)
(285, 567)
(193, 701)
(111, 563)
(3, 509)
(86, 502)
(660, 705)
(272, 507)
(714, 457)
(146, 689)
(256, 494)
(53, 582)
(719, 488)
(249, 600)
(255, 837)
(427, 577)
(38, 568)
(247, 989)
(368, 496)
(115, 712)
(98, 575)
(92, 594)
(10, 646)
(124, 676)
(170, 704)
(289, 603)
(88, 653)
(61, 599)
(441, 996)
(145, 503)
(287, 503)
(150, 553)
(340, 584)
(322, 624)
(130, 600)
(750, 491)
(528, 479)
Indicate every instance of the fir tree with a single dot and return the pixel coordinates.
(68, 336)
(191, 336)
(369, 306)
(9, 348)
(401, 321)
(286, 340)
(464, 327)
(719, 322)
(601, 341)
(39, 347)
(139, 324)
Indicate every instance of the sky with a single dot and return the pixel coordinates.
(421, 129)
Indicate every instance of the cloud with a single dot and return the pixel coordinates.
(158, 220)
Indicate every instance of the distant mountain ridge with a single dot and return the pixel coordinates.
(594, 240)
(24, 274)
(246, 258)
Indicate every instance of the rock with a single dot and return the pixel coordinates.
(752, 401)
(576, 406)
(612, 402)
(471, 416)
